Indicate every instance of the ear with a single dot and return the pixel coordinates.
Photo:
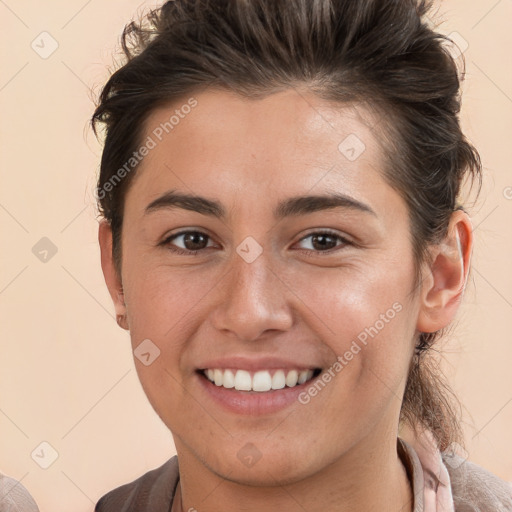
(445, 279)
(112, 279)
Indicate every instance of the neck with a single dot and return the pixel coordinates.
(366, 478)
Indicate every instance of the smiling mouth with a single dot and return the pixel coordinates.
(259, 381)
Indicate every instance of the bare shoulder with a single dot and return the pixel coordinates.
(475, 489)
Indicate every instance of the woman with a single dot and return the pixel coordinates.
(282, 239)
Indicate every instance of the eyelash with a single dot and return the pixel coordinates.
(185, 252)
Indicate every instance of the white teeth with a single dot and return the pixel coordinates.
(218, 377)
(260, 381)
(303, 377)
(229, 379)
(278, 380)
(243, 380)
(291, 378)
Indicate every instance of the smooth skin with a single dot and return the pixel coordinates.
(305, 297)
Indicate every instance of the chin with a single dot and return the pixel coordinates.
(263, 464)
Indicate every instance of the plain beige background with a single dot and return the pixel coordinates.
(67, 376)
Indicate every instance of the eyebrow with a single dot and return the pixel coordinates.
(293, 206)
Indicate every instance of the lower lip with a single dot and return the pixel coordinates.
(253, 403)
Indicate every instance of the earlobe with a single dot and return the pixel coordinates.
(445, 281)
(112, 279)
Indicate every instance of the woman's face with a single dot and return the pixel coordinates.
(278, 283)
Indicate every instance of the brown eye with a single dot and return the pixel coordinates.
(323, 241)
(195, 240)
(191, 241)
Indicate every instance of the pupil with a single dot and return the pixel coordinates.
(321, 239)
(193, 239)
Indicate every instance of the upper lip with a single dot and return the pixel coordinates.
(256, 363)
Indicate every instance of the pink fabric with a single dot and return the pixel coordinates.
(437, 486)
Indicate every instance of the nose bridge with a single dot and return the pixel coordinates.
(252, 277)
(254, 299)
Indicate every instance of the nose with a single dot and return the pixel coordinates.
(253, 300)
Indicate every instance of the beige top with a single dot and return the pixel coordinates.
(14, 497)
(473, 488)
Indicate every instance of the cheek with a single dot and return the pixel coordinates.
(368, 321)
(164, 302)
(371, 341)
(162, 306)
(357, 301)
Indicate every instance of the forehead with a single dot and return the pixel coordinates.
(297, 116)
(289, 141)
